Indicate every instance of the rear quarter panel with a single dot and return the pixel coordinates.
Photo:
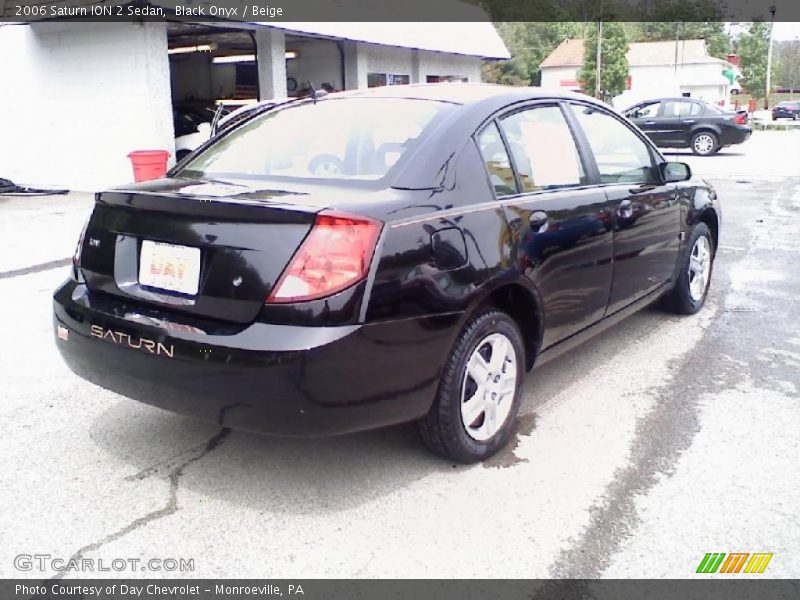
(411, 280)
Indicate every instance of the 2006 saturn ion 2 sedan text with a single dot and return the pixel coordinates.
(347, 262)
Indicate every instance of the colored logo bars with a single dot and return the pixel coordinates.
(736, 562)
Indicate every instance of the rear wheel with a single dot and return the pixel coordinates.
(704, 143)
(691, 288)
(478, 398)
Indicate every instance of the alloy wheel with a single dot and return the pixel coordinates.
(489, 386)
(699, 268)
(703, 143)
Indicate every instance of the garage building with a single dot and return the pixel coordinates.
(79, 96)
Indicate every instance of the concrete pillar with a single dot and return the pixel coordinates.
(355, 66)
(271, 56)
(416, 75)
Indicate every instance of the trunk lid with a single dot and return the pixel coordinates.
(245, 237)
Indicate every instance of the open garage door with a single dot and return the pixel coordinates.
(212, 72)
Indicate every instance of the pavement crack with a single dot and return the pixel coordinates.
(46, 266)
(169, 508)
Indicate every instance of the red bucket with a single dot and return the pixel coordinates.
(148, 164)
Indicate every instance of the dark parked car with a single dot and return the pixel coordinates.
(688, 123)
(790, 109)
(469, 233)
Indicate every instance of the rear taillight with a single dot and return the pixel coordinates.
(336, 254)
(740, 119)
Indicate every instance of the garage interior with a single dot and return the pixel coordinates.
(214, 66)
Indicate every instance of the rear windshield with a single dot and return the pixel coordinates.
(338, 138)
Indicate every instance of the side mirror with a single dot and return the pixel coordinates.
(673, 172)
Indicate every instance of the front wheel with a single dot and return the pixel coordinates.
(704, 143)
(476, 405)
(691, 288)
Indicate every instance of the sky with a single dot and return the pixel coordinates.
(786, 31)
(782, 30)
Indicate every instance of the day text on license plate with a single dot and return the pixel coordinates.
(169, 267)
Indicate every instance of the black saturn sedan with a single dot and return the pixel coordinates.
(382, 256)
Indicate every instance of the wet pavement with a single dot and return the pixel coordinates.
(638, 452)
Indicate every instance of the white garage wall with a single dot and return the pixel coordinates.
(553, 76)
(318, 61)
(437, 63)
(392, 61)
(403, 61)
(82, 96)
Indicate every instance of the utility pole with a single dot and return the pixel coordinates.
(769, 57)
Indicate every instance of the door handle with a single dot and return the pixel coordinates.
(538, 221)
(649, 122)
(688, 120)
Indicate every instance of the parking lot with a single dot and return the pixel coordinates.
(662, 439)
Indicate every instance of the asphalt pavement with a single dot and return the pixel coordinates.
(661, 440)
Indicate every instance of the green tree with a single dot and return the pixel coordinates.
(613, 62)
(753, 47)
(787, 63)
(717, 39)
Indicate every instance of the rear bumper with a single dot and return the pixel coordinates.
(735, 135)
(268, 378)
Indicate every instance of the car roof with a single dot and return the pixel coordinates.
(672, 99)
(460, 93)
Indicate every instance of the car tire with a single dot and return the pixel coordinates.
(478, 398)
(689, 293)
(795, 116)
(326, 164)
(704, 143)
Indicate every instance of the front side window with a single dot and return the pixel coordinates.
(353, 138)
(497, 162)
(543, 148)
(645, 111)
(621, 156)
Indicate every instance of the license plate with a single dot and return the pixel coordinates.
(170, 267)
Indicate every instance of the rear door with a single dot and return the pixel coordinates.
(677, 120)
(646, 211)
(560, 226)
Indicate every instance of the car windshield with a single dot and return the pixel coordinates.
(340, 138)
(789, 104)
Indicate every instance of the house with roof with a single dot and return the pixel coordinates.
(671, 68)
(82, 94)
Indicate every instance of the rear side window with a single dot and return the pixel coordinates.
(679, 108)
(621, 156)
(543, 148)
(497, 162)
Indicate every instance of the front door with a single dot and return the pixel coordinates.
(646, 212)
(646, 117)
